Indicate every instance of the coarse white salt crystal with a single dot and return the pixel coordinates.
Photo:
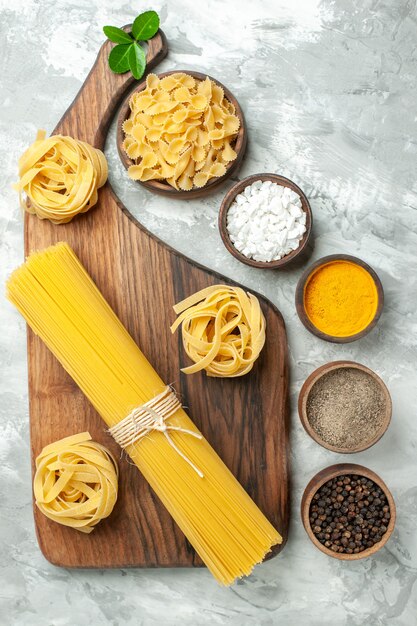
(257, 236)
(276, 204)
(293, 233)
(281, 238)
(295, 210)
(290, 221)
(278, 210)
(266, 221)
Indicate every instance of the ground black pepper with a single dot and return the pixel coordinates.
(349, 513)
(346, 407)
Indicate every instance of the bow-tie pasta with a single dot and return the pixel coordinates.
(181, 130)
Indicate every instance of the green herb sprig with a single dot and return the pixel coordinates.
(129, 54)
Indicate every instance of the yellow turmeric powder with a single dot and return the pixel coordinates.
(340, 298)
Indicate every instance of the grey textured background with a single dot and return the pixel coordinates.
(329, 92)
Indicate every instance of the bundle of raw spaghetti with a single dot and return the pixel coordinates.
(60, 177)
(64, 307)
(75, 482)
(223, 330)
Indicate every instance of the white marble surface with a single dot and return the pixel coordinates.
(329, 90)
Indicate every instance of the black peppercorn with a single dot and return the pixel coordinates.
(349, 514)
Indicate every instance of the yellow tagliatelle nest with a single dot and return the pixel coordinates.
(181, 130)
(223, 330)
(60, 176)
(76, 482)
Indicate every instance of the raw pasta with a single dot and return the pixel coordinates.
(180, 130)
(223, 330)
(76, 482)
(63, 306)
(60, 176)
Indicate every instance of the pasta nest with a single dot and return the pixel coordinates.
(75, 482)
(60, 176)
(181, 130)
(223, 330)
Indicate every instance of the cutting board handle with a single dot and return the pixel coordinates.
(91, 112)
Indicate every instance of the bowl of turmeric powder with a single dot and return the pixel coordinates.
(339, 298)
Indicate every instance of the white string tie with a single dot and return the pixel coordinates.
(152, 416)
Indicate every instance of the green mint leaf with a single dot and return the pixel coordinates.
(119, 58)
(137, 61)
(116, 34)
(145, 26)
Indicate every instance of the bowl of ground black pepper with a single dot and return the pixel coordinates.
(348, 511)
(345, 406)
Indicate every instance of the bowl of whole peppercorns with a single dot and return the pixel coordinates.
(348, 511)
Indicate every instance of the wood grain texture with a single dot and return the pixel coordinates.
(165, 189)
(246, 420)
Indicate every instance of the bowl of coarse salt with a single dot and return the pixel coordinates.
(265, 221)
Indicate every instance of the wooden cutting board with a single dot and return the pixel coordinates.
(245, 419)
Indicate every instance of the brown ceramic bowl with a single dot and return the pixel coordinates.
(299, 298)
(237, 189)
(327, 474)
(314, 378)
(162, 187)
